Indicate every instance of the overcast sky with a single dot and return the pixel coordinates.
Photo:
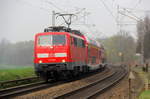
(21, 19)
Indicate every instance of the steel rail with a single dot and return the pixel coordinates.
(17, 81)
(96, 87)
(119, 76)
(24, 89)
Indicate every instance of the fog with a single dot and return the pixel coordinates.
(20, 20)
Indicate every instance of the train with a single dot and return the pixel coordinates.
(61, 52)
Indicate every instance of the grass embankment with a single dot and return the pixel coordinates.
(145, 95)
(144, 77)
(142, 74)
(16, 73)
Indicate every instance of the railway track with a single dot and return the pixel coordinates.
(27, 88)
(24, 89)
(12, 83)
(92, 90)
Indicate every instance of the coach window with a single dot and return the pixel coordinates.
(93, 59)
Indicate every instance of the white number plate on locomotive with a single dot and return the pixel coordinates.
(60, 54)
(43, 55)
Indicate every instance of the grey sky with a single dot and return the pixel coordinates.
(21, 19)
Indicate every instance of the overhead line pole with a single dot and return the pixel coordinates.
(133, 17)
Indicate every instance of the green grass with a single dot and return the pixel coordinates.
(16, 73)
(142, 74)
(145, 95)
(144, 77)
(5, 66)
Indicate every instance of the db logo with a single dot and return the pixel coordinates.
(51, 55)
(52, 59)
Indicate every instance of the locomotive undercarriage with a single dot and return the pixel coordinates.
(59, 71)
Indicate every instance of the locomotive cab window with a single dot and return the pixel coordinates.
(75, 41)
(45, 40)
(59, 40)
(49, 40)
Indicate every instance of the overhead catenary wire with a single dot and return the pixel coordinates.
(40, 7)
(132, 14)
(52, 4)
(137, 10)
(139, 1)
(48, 9)
(31, 5)
(131, 17)
(107, 8)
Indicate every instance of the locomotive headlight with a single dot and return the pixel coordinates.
(51, 47)
(40, 61)
(63, 60)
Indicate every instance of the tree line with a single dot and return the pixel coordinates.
(20, 53)
(143, 42)
(120, 47)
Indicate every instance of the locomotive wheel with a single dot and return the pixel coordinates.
(70, 75)
(45, 77)
(56, 76)
(84, 69)
(66, 75)
(75, 73)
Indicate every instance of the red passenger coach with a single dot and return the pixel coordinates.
(94, 54)
(62, 52)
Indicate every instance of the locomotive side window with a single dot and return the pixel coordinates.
(75, 41)
(78, 42)
(59, 40)
(83, 44)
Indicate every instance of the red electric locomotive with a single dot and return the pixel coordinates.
(62, 52)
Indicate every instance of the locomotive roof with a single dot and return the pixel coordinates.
(62, 29)
(69, 30)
